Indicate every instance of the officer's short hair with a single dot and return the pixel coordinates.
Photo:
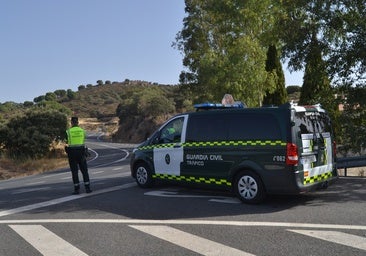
(74, 120)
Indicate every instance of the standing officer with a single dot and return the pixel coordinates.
(76, 152)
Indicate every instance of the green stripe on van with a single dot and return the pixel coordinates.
(318, 178)
(192, 179)
(220, 144)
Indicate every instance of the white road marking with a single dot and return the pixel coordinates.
(46, 242)
(219, 199)
(335, 237)
(34, 183)
(195, 243)
(98, 172)
(291, 225)
(163, 193)
(189, 241)
(26, 190)
(110, 163)
(229, 200)
(49, 244)
(63, 200)
(56, 174)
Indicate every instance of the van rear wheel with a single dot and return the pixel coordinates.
(143, 175)
(249, 187)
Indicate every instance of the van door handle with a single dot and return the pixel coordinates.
(177, 146)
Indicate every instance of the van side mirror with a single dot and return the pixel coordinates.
(155, 138)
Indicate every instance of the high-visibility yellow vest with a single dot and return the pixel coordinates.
(75, 136)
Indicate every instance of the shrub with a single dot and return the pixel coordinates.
(30, 136)
(81, 87)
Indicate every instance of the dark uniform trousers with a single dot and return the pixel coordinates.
(77, 159)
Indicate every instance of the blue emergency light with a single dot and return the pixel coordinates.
(207, 106)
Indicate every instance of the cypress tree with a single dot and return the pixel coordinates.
(316, 87)
(273, 64)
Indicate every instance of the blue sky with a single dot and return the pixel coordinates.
(48, 45)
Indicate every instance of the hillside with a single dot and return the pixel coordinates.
(97, 106)
(141, 115)
(100, 101)
(126, 111)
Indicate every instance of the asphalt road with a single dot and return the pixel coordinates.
(39, 216)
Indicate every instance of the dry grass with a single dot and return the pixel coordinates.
(10, 169)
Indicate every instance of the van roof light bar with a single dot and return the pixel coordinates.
(207, 106)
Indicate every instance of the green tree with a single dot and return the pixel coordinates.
(274, 66)
(9, 106)
(316, 84)
(152, 102)
(60, 93)
(346, 31)
(28, 104)
(316, 87)
(222, 46)
(293, 89)
(52, 105)
(145, 102)
(340, 28)
(353, 120)
(39, 99)
(31, 135)
(81, 87)
(71, 94)
(50, 96)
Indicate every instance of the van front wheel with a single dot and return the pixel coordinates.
(143, 175)
(249, 187)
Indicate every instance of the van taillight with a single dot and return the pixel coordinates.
(292, 158)
(334, 148)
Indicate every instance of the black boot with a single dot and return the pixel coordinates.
(76, 190)
(87, 189)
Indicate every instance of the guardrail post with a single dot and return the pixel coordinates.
(351, 162)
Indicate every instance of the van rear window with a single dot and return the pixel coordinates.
(313, 122)
(233, 126)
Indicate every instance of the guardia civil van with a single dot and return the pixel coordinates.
(252, 151)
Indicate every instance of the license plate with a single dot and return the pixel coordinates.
(308, 159)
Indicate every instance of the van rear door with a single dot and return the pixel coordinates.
(316, 146)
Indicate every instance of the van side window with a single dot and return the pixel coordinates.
(233, 126)
(206, 128)
(172, 131)
(249, 126)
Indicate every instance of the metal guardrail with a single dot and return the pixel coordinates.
(350, 162)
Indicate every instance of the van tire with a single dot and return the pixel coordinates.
(143, 175)
(249, 187)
